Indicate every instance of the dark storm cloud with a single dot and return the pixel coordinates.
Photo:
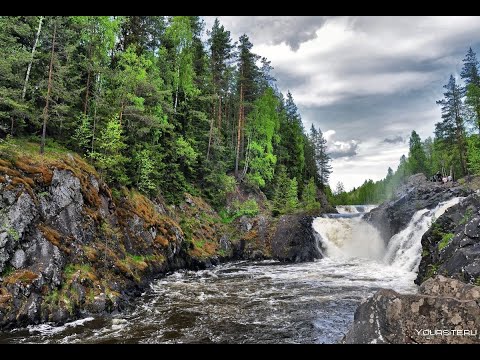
(394, 140)
(292, 30)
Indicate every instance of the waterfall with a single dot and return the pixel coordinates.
(354, 209)
(346, 235)
(405, 248)
(349, 237)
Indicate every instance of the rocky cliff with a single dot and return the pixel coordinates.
(451, 246)
(393, 216)
(71, 246)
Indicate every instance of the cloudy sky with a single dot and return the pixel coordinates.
(367, 82)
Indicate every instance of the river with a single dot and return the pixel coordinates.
(262, 302)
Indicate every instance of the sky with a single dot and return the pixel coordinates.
(366, 82)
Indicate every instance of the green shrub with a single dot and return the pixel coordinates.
(445, 241)
(248, 208)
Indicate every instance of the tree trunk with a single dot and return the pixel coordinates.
(219, 113)
(122, 108)
(29, 68)
(95, 112)
(461, 148)
(239, 132)
(85, 107)
(210, 134)
(87, 90)
(49, 89)
(176, 92)
(478, 119)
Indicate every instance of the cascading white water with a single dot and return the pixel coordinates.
(352, 237)
(349, 237)
(354, 209)
(405, 248)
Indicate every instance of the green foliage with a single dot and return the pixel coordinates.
(291, 197)
(7, 270)
(82, 137)
(309, 197)
(11, 232)
(446, 238)
(321, 157)
(263, 125)
(432, 270)
(146, 98)
(218, 186)
(467, 216)
(110, 158)
(185, 153)
(145, 171)
(248, 208)
(473, 143)
(285, 198)
(417, 160)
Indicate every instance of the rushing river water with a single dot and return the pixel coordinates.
(262, 302)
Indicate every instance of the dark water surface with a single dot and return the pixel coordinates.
(241, 302)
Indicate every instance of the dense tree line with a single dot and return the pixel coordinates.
(454, 149)
(156, 108)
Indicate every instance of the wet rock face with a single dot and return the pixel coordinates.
(294, 239)
(444, 311)
(66, 249)
(451, 246)
(62, 207)
(17, 211)
(393, 216)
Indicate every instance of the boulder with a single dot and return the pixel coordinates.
(295, 240)
(444, 311)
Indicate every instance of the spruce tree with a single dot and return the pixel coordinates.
(451, 129)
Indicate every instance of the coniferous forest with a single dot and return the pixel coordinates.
(155, 106)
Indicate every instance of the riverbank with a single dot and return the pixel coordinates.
(71, 246)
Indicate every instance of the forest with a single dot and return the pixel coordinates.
(454, 149)
(160, 104)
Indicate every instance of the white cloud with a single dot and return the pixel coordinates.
(340, 149)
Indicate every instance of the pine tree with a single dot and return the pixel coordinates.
(220, 56)
(247, 90)
(309, 196)
(322, 158)
(291, 196)
(83, 134)
(451, 129)
(416, 156)
(281, 187)
(14, 31)
(291, 146)
(470, 74)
